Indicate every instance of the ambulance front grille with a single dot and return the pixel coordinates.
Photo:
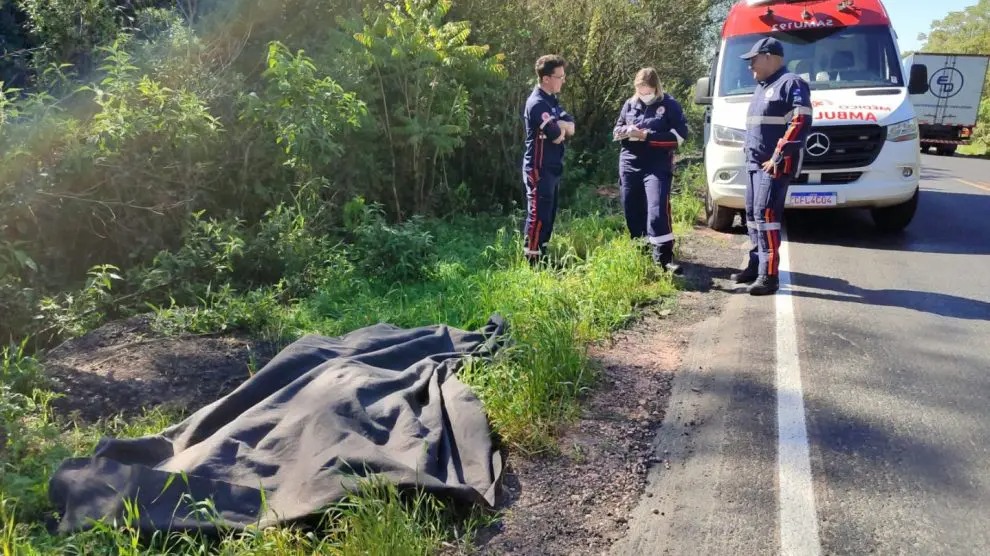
(829, 178)
(849, 146)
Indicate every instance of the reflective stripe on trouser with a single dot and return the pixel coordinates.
(646, 203)
(765, 197)
(541, 190)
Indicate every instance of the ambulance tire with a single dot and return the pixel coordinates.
(717, 217)
(895, 218)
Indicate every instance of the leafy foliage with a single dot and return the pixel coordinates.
(305, 113)
(230, 110)
(71, 29)
(423, 71)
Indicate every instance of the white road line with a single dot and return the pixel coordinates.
(798, 519)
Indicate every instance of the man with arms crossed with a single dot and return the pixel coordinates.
(547, 127)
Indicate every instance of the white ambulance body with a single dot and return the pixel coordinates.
(863, 148)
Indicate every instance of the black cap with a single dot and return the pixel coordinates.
(766, 45)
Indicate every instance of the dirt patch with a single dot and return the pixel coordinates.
(579, 502)
(125, 367)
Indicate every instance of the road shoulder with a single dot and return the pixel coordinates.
(588, 498)
(713, 488)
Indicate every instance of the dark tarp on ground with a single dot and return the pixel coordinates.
(382, 399)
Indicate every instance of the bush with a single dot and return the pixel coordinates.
(18, 305)
(209, 251)
(389, 254)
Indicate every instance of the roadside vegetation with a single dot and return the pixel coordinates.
(974, 150)
(285, 167)
(529, 391)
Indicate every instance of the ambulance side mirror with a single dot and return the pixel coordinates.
(918, 85)
(702, 91)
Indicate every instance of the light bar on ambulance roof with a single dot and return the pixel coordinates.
(752, 3)
(843, 4)
(767, 16)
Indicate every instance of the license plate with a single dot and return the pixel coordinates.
(813, 199)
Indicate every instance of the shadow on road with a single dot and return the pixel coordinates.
(856, 454)
(933, 173)
(942, 304)
(946, 222)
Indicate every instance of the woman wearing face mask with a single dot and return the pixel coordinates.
(650, 127)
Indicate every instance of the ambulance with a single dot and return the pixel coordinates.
(863, 148)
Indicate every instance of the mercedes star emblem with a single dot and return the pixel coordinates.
(817, 144)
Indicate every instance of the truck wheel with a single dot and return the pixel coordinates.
(719, 218)
(947, 150)
(895, 218)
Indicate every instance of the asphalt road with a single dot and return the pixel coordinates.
(893, 342)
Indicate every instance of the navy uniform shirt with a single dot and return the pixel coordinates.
(778, 122)
(666, 128)
(541, 114)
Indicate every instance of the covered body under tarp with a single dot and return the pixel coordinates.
(295, 437)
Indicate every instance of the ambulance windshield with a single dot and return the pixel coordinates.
(833, 58)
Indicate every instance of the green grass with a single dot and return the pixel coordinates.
(376, 519)
(973, 150)
(473, 269)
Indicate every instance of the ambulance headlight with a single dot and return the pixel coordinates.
(727, 136)
(903, 131)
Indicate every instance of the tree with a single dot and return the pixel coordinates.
(424, 68)
(965, 32)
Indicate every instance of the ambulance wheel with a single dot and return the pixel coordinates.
(895, 218)
(718, 218)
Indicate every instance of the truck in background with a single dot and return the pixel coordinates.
(863, 149)
(948, 111)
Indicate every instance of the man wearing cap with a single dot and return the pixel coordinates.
(778, 122)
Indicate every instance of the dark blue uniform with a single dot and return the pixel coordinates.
(778, 122)
(543, 165)
(646, 170)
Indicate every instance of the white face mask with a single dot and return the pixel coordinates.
(648, 98)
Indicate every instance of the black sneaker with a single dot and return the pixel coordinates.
(744, 276)
(664, 258)
(764, 285)
(673, 268)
